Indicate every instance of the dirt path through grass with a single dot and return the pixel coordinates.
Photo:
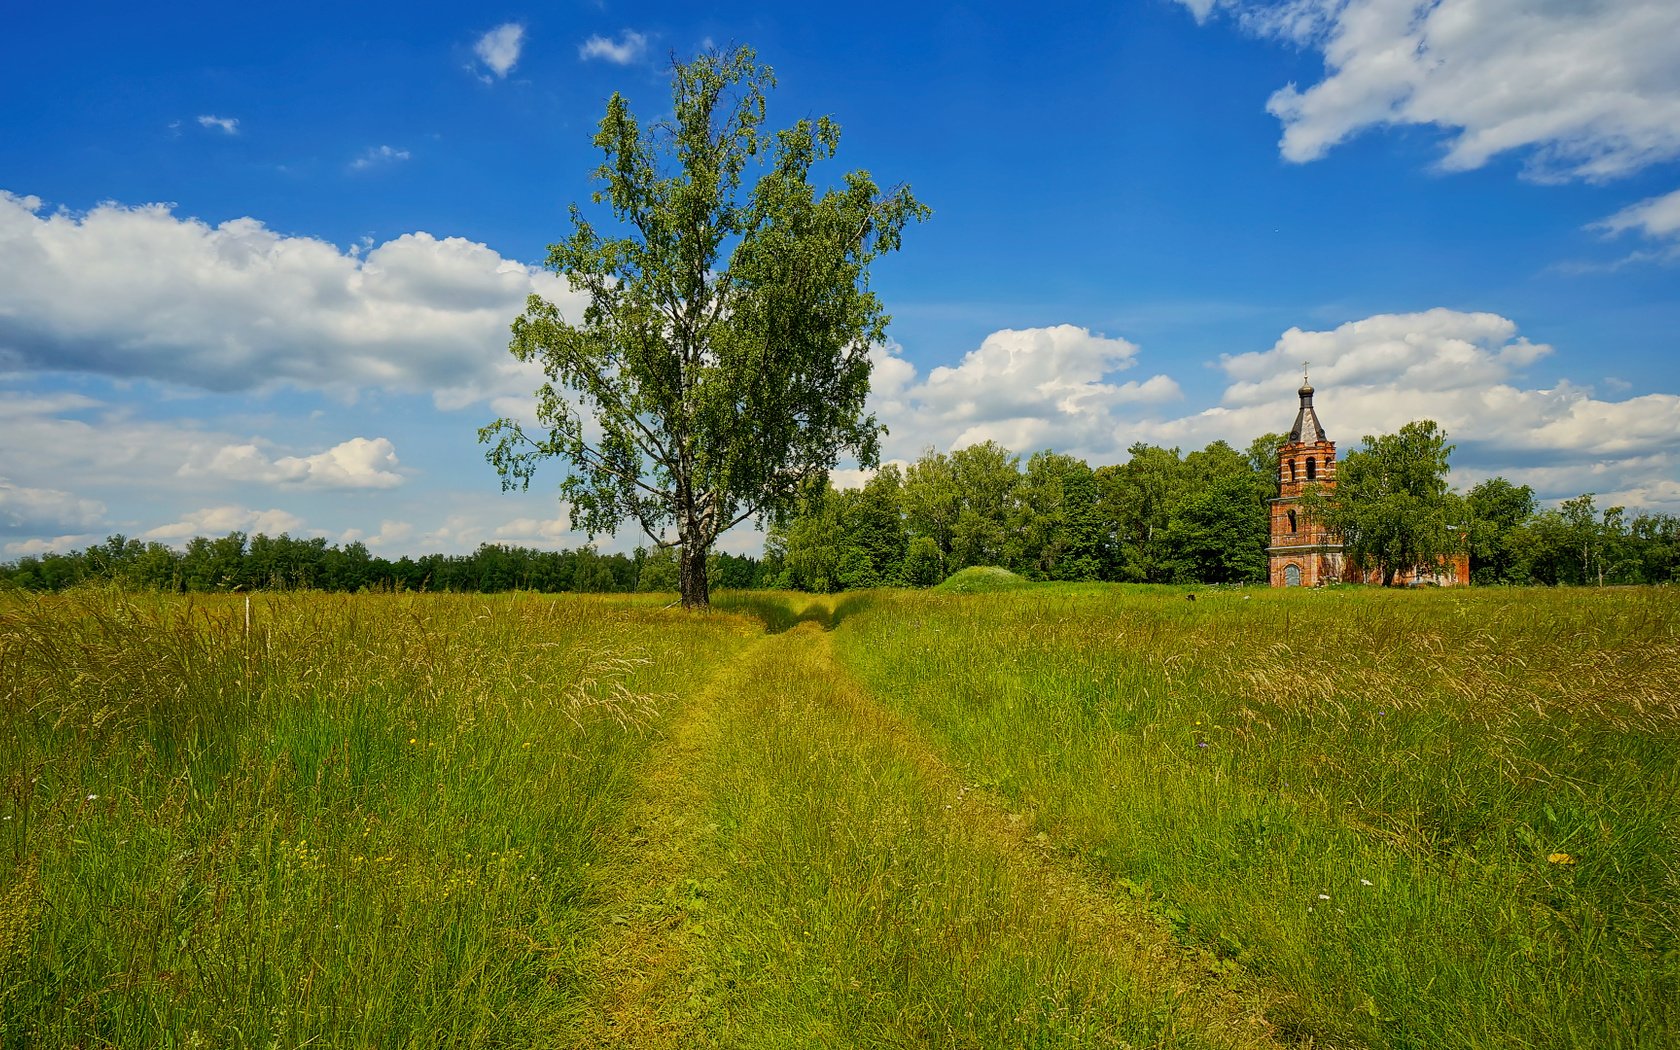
(800, 868)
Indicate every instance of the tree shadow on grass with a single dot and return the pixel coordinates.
(784, 610)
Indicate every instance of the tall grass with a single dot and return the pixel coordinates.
(360, 821)
(1440, 819)
(1057, 816)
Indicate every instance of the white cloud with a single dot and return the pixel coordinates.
(1591, 89)
(378, 156)
(390, 534)
(39, 545)
(540, 532)
(359, 463)
(135, 292)
(1655, 217)
(230, 125)
(25, 510)
(1024, 388)
(219, 521)
(628, 48)
(499, 49)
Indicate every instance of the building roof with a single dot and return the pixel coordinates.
(1307, 428)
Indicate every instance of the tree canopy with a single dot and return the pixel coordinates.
(1391, 505)
(721, 364)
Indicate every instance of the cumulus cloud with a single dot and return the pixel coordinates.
(136, 292)
(378, 156)
(626, 49)
(230, 125)
(1590, 89)
(359, 463)
(219, 521)
(1024, 388)
(499, 49)
(25, 511)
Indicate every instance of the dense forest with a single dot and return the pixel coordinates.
(1160, 517)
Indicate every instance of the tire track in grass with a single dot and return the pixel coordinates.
(1213, 1005)
(801, 868)
(632, 979)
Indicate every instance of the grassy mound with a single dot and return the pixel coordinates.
(982, 579)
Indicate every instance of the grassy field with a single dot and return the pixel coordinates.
(1052, 816)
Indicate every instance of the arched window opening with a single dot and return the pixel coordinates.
(1292, 526)
(1312, 469)
(1291, 470)
(1292, 576)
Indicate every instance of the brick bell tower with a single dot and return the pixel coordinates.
(1303, 553)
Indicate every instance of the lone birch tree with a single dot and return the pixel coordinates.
(722, 362)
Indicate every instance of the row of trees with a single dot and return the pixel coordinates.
(1574, 543)
(1165, 517)
(238, 562)
(1160, 517)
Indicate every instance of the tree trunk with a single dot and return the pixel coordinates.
(691, 575)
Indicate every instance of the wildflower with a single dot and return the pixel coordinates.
(1560, 858)
(1201, 743)
(412, 740)
(1323, 896)
(1365, 882)
(93, 798)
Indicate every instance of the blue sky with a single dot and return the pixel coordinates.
(257, 265)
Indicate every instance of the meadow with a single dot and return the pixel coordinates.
(1082, 815)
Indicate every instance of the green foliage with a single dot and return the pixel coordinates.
(1391, 505)
(233, 563)
(1200, 518)
(1138, 498)
(1055, 529)
(1496, 509)
(723, 357)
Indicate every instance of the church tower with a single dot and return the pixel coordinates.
(1303, 553)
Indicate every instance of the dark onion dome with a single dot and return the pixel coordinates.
(1307, 427)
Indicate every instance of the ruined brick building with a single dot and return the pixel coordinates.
(1303, 552)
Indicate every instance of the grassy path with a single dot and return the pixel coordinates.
(800, 868)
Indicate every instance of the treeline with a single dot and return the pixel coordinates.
(1163, 517)
(1160, 517)
(240, 562)
(1574, 543)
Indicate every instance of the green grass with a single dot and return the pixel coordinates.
(981, 579)
(1058, 816)
(368, 822)
(821, 879)
(1355, 797)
